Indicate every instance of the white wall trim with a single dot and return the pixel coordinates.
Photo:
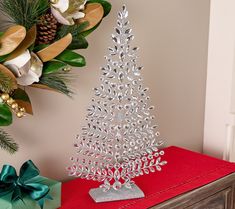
(219, 128)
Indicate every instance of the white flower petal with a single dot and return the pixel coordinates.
(19, 65)
(34, 73)
(62, 5)
(82, 7)
(36, 65)
(19, 61)
(28, 79)
(60, 18)
(78, 15)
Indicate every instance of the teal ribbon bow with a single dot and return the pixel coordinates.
(27, 183)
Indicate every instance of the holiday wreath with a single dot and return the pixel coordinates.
(36, 50)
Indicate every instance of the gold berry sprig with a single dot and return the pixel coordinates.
(19, 111)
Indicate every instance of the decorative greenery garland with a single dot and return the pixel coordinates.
(37, 50)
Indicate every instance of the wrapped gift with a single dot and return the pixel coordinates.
(29, 190)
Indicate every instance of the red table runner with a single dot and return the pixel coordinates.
(185, 171)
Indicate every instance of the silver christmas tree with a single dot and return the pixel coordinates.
(119, 141)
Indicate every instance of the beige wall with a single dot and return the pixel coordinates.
(172, 36)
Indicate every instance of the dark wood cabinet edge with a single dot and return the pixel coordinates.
(199, 194)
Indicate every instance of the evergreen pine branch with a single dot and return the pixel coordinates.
(7, 143)
(6, 83)
(24, 12)
(75, 30)
(58, 81)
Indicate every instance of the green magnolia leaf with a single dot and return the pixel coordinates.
(5, 115)
(31, 48)
(71, 58)
(106, 5)
(87, 32)
(3, 58)
(52, 66)
(78, 43)
(82, 26)
(75, 30)
(107, 8)
(22, 98)
(40, 47)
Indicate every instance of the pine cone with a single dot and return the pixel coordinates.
(47, 28)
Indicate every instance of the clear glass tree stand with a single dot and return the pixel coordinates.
(119, 141)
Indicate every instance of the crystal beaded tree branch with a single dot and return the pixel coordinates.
(119, 141)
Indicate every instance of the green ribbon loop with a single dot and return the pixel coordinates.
(26, 183)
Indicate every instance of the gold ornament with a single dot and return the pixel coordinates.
(22, 109)
(19, 114)
(67, 69)
(14, 106)
(10, 101)
(5, 96)
(19, 111)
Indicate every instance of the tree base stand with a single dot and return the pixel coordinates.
(98, 195)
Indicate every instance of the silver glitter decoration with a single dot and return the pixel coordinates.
(119, 141)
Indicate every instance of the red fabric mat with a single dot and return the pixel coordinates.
(185, 171)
